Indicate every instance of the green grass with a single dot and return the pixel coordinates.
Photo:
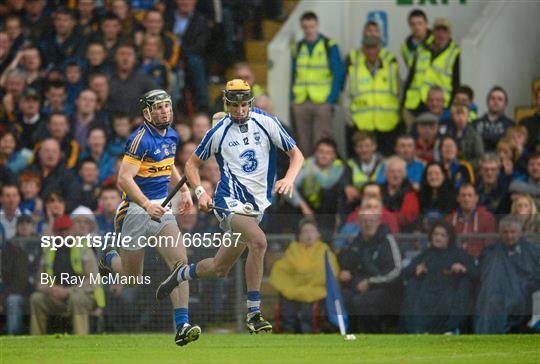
(260, 349)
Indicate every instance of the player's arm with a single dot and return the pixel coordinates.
(286, 184)
(186, 193)
(127, 184)
(192, 167)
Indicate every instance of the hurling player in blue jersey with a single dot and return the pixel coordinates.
(146, 172)
(244, 144)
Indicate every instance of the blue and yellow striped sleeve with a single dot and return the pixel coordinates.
(135, 150)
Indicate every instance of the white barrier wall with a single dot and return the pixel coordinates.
(503, 47)
(508, 36)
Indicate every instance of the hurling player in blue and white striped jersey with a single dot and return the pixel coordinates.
(244, 143)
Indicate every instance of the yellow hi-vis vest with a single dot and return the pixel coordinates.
(359, 178)
(421, 64)
(374, 101)
(439, 73)
(386, 56)
(77, 266)
(313, 79)
(409, 54)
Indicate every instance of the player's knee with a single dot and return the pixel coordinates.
(258, 245)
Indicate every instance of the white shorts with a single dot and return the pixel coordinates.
(132, 220)
(225, 217)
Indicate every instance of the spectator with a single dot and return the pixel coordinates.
(122, 9)
(127, 84)
(372, 29)
(365, 165)
(510, 274)
(193, 33)
(200, 125)
(436, 64)
(99, 83)
(13, 158)
(10, 198)
(494, 123)
(435, 102)
(74, 81)
(470, 144)
(415, 167)
(185, 151)
(30, 201)
(37, 20)
(349, 230)
(463, 95)
(471, 218)
(419, 40)
(28, 59)
(437, 195)
(98, 151)
(88, 19)
(153, 24)
(508, 154)
(96, 59)
(244, 72)
(84, 221)
(30, 121)
(121, 128)
(58, 128)
(55, 99)
(519, 135)
(64, 45)
(373, 85)
(210, 171)
(425, 146)
(399, 197)
(264, 103)
(152, 63)
(19, 267)
(184, 132)
(5, 55)
(109, 199)
(109, 35)
(438, 294)
(532, 184)
(85, 117)
(54, 176)
(299, 277)
(532, 124)
(63, 298)
(55, 206)
(444, 62)
(89, 182)
(317, 77)
(525, 209)
(459, 170)
(320, 187)
(370, 267)
(13, 91)
(492, 186)
(14, 30)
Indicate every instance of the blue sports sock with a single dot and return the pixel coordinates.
(187, 273)
(253, 301)
(109, 257)
(181, 317)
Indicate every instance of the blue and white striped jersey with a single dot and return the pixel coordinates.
(246, 154)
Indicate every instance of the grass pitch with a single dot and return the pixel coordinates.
(260, 349)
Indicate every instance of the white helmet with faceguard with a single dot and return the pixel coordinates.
(237, 91)
(148, 102)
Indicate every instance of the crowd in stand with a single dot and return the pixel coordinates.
(419, 158)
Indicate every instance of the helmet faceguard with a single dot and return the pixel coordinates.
(237, 91)
(148, 102)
